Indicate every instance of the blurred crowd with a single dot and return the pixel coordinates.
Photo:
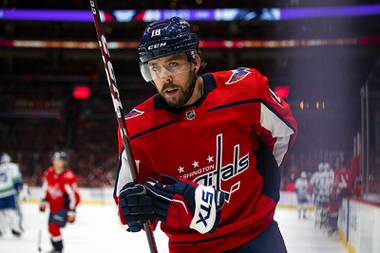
(93, 157)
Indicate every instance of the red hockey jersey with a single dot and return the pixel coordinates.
(60, 190)
(233, 138)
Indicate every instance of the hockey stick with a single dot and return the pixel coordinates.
(118, 108)
(39, 238)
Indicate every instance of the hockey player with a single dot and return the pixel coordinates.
(341, 185)
(315, 182)
(61, 194)
(10, 187)
(329, 177)
(326, 183)
(302, 192)
(208, 150)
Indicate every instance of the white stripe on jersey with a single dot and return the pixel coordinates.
(278, 129)
(56, 238)
(125, 175)
(71, 194)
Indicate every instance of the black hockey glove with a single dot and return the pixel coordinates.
(183, 204)
(135, 206)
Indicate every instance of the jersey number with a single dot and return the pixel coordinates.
(156, 32)
(3, 178)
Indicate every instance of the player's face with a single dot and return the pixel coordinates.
(174, 77)
(58, 164)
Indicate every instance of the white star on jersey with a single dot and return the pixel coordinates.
(195, 164)
(181, 169)
(210, 159)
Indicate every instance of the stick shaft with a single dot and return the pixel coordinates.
(118, 107)
(39, 238)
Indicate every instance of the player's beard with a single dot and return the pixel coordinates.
(184, 93)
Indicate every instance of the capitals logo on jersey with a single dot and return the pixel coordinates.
(54, 191)
(219, 172)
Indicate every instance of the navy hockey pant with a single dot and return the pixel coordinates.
(57, 220)
(270, 241)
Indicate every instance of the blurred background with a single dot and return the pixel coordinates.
(322, 56)
(54, 93)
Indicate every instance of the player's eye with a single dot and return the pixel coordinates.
(173, 65)
(155, 68)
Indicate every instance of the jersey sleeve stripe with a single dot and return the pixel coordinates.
(248, 101)
(11, 188)
(152, 129)
(279, 130)
(241, 102)
(117, 174)
(71, 194)
(124, 175)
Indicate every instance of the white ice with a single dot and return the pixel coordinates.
(97, 231)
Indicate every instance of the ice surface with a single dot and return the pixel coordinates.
(300, 235)
(97, 231)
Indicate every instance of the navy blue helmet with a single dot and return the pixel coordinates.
(61, 155)
(166, 37)
(163, 38)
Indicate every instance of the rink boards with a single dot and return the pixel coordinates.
(359, 226)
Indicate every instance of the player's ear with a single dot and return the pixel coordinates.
(197, 63)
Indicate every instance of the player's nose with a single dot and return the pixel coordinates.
(167, 79)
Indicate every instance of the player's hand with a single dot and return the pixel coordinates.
(42, 206)
(135, 206)
(183, 204)
(71, 216)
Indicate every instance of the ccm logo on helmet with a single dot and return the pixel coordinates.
(158, 45)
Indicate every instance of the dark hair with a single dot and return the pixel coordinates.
(191, 57)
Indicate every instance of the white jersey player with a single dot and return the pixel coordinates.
(322, 182)
(10, 186)
(316, 183)
(326, 183)
(302, 191)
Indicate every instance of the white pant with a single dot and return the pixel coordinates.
(9, 218)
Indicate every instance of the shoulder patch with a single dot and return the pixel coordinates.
(134, 113)
(238, 75)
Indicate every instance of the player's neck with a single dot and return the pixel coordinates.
(197, 93)
(59, 171)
